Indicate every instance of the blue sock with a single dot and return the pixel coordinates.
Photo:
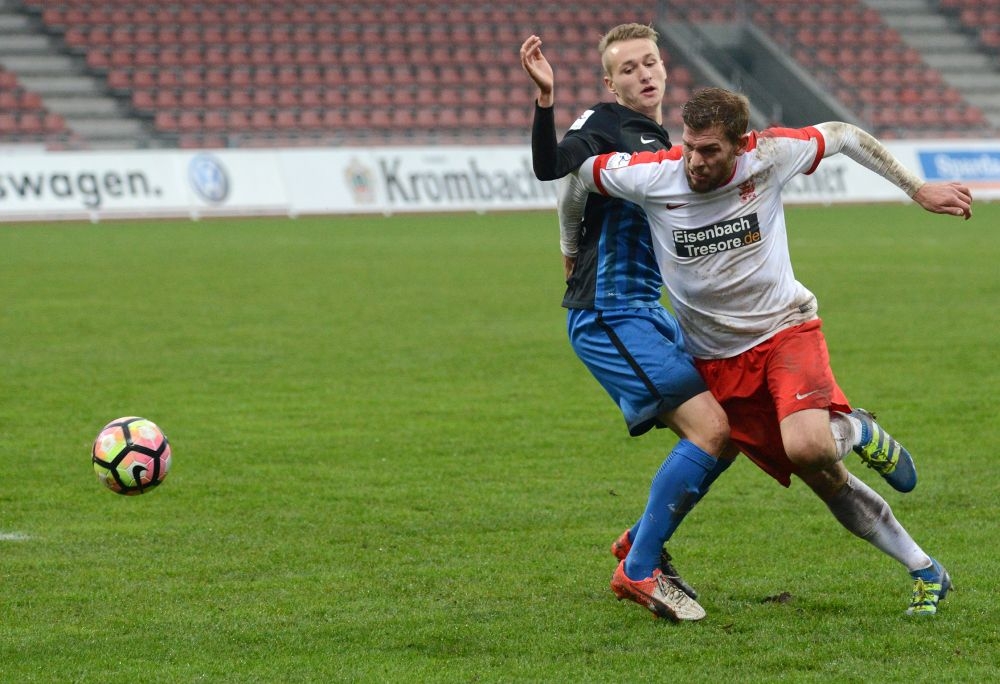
(720, 467)
(932, 573)
(676, 486)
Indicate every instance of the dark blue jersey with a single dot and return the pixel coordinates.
(615, 267)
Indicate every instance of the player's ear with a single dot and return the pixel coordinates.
(741, 144)
(610, 85)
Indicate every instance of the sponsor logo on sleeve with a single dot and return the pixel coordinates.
(718, 237)
(618, 160)
(578, 124)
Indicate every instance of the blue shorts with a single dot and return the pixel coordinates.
(638, 356)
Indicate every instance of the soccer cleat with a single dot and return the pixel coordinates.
(929, 586)
(657, 593)
(621, 546)
(883, 454)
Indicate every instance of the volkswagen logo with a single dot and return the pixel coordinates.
(209, 178)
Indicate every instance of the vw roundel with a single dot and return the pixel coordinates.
(209, 178)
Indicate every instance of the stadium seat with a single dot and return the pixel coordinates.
(214, 121)
(311, 119)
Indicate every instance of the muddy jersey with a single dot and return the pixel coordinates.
(723, 254)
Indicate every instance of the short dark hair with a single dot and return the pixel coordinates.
(717, 107)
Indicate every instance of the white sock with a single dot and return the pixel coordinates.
(866, 514)
(846, 431)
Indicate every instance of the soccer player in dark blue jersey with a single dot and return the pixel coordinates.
(617, 326)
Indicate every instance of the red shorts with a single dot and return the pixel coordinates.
(789, 372)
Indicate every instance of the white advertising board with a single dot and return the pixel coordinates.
(95, 185)
(390, 180)
(39, 185)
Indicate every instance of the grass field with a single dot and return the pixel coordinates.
(390, 467)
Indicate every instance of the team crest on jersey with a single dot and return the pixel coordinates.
(748, 190)
(578, 124)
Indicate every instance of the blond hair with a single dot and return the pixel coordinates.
(624, 32)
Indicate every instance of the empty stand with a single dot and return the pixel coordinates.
(333, 71)
(849, 49)
(251, 72)
(979, 18)
(24, 118)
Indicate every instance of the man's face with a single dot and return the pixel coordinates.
(709, 157)
(636, 75)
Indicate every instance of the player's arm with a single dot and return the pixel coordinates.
(571, 199)
(550, 159)
(851, 141)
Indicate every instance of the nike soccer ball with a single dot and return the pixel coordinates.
(131, 455)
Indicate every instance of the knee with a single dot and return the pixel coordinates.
(810, 451)
(711, 432)
(702, 421)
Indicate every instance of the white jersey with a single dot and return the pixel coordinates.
(723, 254)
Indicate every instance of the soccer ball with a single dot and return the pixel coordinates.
(131, 455)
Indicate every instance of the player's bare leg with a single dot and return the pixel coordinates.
(808, 440)
(701, 420)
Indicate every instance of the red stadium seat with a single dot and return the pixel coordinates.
(189, 121)
(310, 119)
(237, 120)
(214, 121)
(8, 125)
(165, 120)
(261, 120)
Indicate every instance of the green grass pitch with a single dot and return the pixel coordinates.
(390, 467)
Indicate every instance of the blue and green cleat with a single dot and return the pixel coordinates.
(930, 585)
(883, 454)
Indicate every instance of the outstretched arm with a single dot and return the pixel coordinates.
(940, 198)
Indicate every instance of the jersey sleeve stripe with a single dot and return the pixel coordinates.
(599, 164)
(807, 133)
(820, 147)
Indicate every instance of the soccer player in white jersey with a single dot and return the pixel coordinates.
(715, 213)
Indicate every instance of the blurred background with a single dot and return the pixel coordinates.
(112, 74)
